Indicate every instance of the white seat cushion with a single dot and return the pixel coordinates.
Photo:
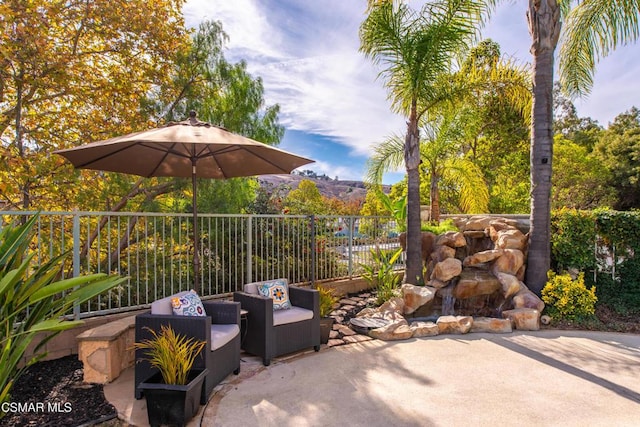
(222, 334)
(163, 306)
(291, 315)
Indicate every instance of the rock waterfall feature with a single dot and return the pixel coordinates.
(475, 284)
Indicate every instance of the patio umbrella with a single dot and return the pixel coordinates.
(190, 148)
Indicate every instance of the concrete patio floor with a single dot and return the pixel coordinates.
(542, 378)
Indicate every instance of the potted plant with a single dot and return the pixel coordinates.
(173, 394)
(327, 301)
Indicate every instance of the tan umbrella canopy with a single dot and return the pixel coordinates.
(189, 148)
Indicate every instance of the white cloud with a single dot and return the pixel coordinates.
(306, 52)
(309, 63)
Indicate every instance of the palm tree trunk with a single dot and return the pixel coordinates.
(544, 27)
(413, 269)
(434, 195)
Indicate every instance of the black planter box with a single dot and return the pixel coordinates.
(326, 324)
(169, 404)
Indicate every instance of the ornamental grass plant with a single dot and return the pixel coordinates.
(172, 354)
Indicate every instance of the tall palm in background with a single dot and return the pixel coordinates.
(441, 159)
(415, 49)
(593, 29)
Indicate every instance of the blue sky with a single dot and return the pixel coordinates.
(332, 105)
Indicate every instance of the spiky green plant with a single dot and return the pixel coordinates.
(381, 273)
(327, 299)
(33, 301)
(172, 354)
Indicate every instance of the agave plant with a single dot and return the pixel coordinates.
(33, 302)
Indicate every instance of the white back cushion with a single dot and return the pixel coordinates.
(163, 306)
(252, 288)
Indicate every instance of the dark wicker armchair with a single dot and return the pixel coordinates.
(222, 320)
(268, 338)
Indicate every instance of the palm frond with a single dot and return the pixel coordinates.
(387, 156)
(593, 29)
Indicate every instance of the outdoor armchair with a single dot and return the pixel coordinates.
(220, 329)
(272, 333)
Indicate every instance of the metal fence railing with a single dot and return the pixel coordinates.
(155, 250)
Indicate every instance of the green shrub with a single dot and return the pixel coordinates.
(567, 298)
(573, 236)
(441, 228)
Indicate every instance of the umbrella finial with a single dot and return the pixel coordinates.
(192, 114)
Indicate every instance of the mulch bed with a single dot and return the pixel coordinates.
(52, 394)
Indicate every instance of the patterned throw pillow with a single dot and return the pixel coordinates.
(278, 291)
(188, 304)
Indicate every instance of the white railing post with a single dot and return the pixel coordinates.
(76, 256)
(249, 249)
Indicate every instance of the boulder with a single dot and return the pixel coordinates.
(491, 325)
(511, 239)
(416, 296)
(510, 284)
(482, 257)
(453, 239)
(392, 332)
(437, 284)
(443, 252)
(424, 329)
(454, 324)
(447, 269)
(527, 299)
(524, 319)
(510, 262)
(475, 282)
(477, 223)
(428, 243)
(475, 234)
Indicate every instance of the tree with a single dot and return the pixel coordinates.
(593, 29)
(619, 150)
(584, 131)
(416, 49)
(70, 73)
(305, 200)
(580, 180)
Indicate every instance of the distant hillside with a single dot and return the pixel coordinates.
(344, 190)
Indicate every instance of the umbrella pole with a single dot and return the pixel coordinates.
(196, 238)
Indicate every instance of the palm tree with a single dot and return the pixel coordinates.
(593, 29)
(417, 48)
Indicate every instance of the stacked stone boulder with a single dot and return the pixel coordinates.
(486, 257)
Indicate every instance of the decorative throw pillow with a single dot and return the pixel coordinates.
(188, 304)
(278, 291)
